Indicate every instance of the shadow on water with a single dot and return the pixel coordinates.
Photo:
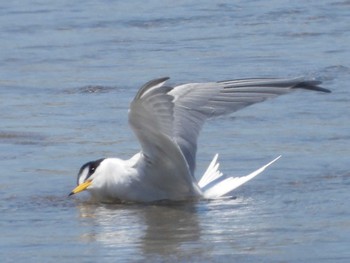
(21, 138)
(91, 89)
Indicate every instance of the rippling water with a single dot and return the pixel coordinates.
(67, 74)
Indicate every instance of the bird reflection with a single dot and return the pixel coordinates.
(149, 230)
(170, 227)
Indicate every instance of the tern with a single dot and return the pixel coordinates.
(167, 121)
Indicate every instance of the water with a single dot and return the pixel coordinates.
(67, 74)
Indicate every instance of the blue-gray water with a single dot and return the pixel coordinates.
(68, 70)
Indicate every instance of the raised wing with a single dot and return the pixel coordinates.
(179, 113)
(196, 102)
(151, 117)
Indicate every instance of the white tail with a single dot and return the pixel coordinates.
(214, 184)
(212, 173)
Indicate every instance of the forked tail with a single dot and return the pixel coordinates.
(214, 184)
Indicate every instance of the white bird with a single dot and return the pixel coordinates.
(167, 121)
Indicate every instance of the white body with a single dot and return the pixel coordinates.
(126, 181)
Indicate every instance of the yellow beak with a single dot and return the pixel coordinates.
(81, 187)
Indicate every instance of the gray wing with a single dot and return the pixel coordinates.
(180, 112)
(151, 117)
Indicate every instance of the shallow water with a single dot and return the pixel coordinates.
(68, 73)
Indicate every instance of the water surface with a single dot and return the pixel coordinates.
(70, 69)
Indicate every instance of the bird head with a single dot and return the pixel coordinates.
(86, 176)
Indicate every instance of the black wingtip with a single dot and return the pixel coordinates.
(311, 85)
(149, 85)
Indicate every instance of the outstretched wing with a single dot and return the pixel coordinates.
(179, 113)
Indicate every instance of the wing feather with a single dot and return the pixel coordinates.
(179, 113)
